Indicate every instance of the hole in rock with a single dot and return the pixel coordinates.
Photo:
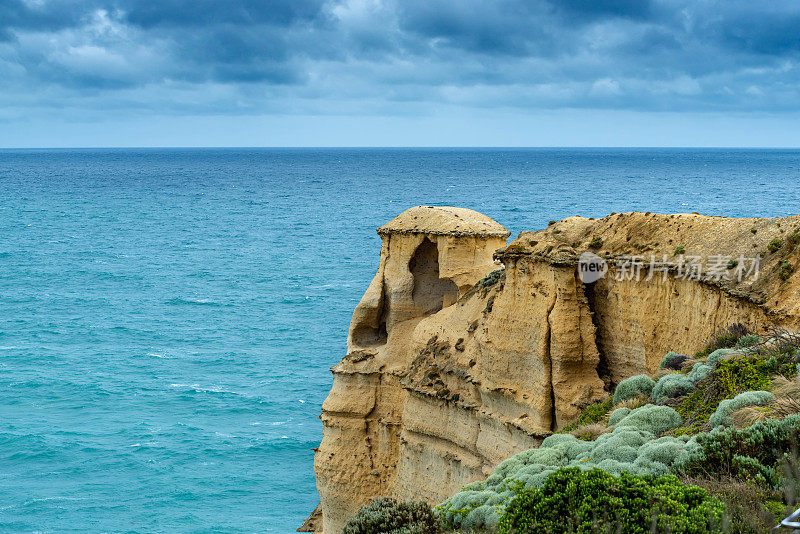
(366, 336)
(430, 293)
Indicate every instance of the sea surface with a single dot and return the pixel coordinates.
(168, 318)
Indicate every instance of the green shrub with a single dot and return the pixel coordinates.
(748, 374)
(617, 415)
(775, 245)
(724, 339)
(632, 386)
(670, 386)
(722, 416)
(785, 270)
(594, 413)
(699, 372)
(752, 453)
(572, 500)
(680, 250)
(596, 243)
(386, 515)
(653, 419)
(747, 341)
(672, 360)
(492, 278)
(631, 446)
(730, 378)
(748, 508)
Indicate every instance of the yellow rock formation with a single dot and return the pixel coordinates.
(448, 373)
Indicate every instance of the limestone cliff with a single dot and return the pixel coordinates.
(450, 371)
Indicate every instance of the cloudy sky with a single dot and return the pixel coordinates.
(399, 73)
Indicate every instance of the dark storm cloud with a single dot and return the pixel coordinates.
(18, 14)
(204, 13)
(589, 9)
(362, 56)
(501, 27)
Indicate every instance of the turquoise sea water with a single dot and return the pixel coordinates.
(168, 317)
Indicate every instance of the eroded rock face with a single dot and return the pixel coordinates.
(445, 378)
(429, 257)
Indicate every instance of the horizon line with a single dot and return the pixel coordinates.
(400, 147)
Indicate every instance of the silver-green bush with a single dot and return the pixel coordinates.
(699, 371)
(670, 386)
(722, 415)
(617, 415)
(652, 419)
(630, 387)
(631, 446)
(715, 357)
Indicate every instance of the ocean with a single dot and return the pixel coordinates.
(168, 317)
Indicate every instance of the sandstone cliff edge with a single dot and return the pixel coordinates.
(466, 350)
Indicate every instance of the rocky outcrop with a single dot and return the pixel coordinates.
(450, 371)
(429, 258)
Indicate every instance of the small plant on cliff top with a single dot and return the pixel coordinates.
(572, 500)
(792, 241)
(775, 245)
(785, 270)
(386, 515)
(492, 278)
(515, 248)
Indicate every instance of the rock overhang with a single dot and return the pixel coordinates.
(444, 220)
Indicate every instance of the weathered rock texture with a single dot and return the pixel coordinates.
(448, 373)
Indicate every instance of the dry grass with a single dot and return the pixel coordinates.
(662, 372)
(750, 508)
(783, 388)
(688, 364)
(590, 431)
(634, 402)
(748, 415)
(783, 406)
(787, 402)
